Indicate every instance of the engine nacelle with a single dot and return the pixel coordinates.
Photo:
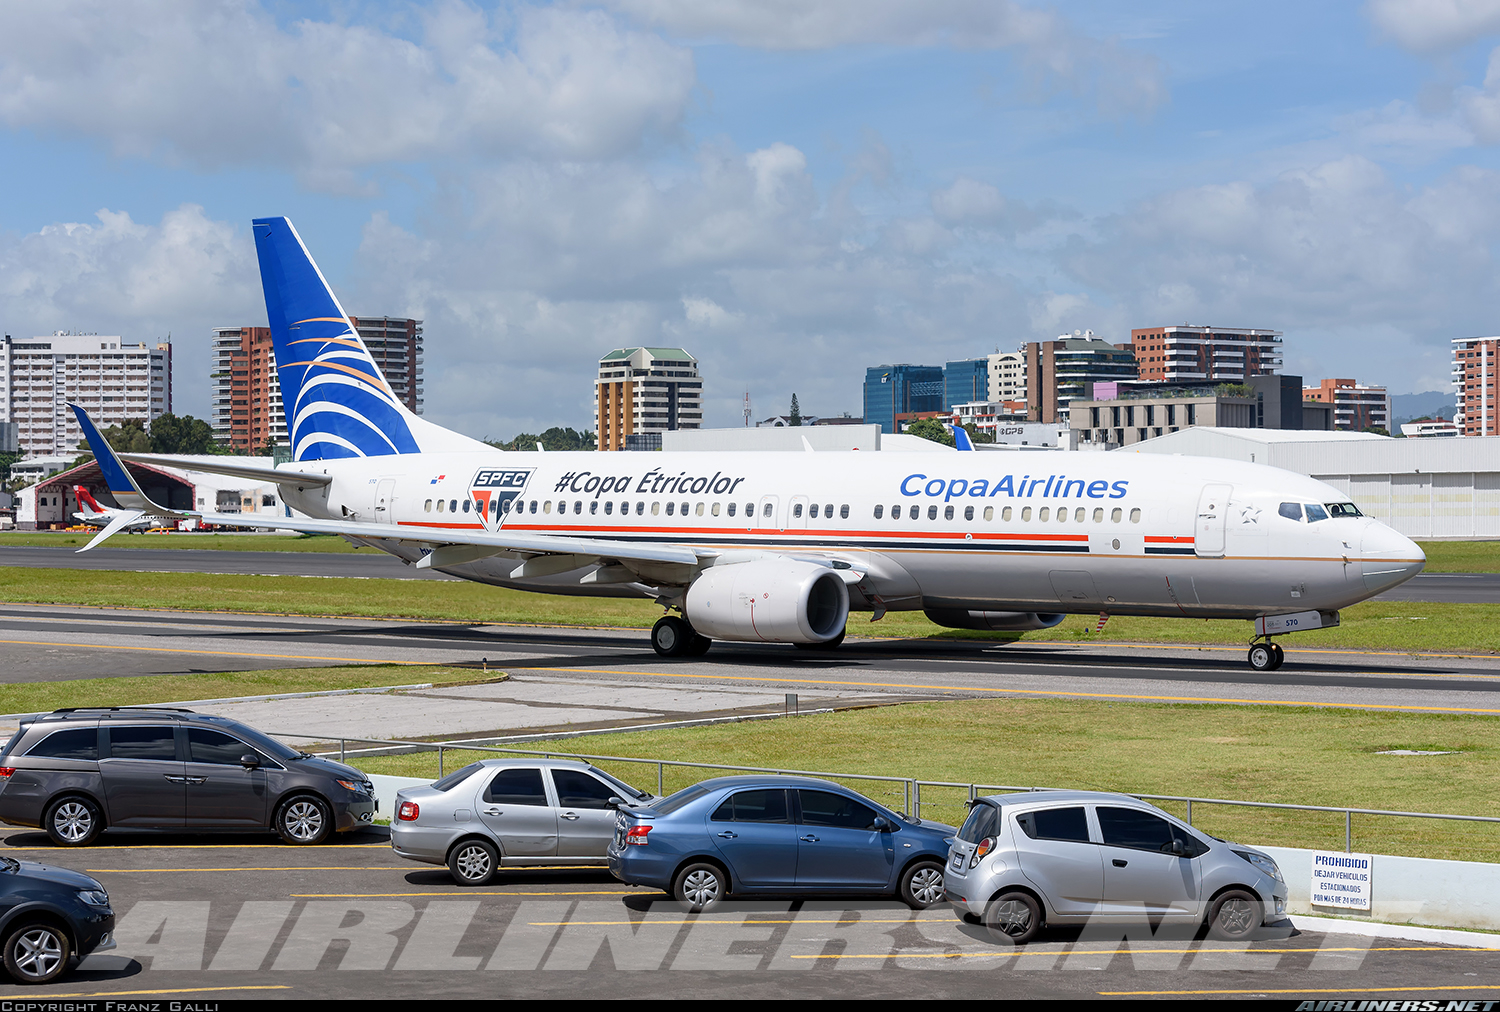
(770, 601)
(993, 621)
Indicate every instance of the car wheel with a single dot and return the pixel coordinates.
(1015, 915)
(700, 886)
(473, 863)
(1235, 916)
(36, 953)
(73, 822)
(304, 820)
(922, 885)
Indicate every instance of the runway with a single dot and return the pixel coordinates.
(48, 643)
(1464, 588)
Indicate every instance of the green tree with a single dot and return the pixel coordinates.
(794, 417)
(556, 438)
(931, 428)
(182, 434)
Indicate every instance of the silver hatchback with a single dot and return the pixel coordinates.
(504, 813)
(1023, 861)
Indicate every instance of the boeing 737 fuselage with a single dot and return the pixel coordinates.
(780, 547)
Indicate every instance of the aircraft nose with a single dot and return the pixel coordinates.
(1388, 557)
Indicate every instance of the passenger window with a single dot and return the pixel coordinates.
(699, 511)
(532, 510)
(812, 511)
(640, 509)
(1043, 515)
(1115, 514)
(442, 505)
(828, 511)
(594, 506)
(609, 508)
(932, 513)
(655, 508)
(579, 790)
(452, 505)
(968, 512)
(1025, 514)
(843, 511)
(796, 509)
(74, 743)
(209, 746)
(466, 505)
(753, 806)
(142, 743)
(1099, 515)
(896, 511)
(670, 507)
(1127, 827)
(547, 506)
(1135, 516)
(822, 808)
(1291, 510)
(517, 787)
(948, 512)
(427, 506)
(767, 511)
(879, 510)
(1055, 824)
(989, 512)
(684, 509)
(716, 509)
(731, 509)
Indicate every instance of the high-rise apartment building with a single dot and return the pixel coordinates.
(1189, 354)
(1007, 376)
(1057, 372)
(247, 409)
(643, 392)
(111, 378)
(1355, 407)
(1475, 360)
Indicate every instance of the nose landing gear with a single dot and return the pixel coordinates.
(1266, 655)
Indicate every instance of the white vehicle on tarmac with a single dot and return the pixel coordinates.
(780, 547)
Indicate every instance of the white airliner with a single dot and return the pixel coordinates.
(90, 512)
(780, 547)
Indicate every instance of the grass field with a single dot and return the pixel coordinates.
(1462, 556)
(1296, 756)
(1396, 626)
(36, 697)
(202, 542)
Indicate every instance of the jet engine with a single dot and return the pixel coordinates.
(769, 600)
(993, 621)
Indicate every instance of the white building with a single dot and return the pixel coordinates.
(643, 393)
(1424, 488)
(111, 378)
(1007, 376)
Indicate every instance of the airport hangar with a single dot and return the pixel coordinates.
(52, 500)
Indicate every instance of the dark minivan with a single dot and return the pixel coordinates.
(76, 772)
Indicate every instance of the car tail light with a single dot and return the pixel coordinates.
(636, 835)
(981, 850)
(6, 771)
(409, 811)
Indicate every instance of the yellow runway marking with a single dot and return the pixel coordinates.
(41, 999)
(457, 892)
(208, 653)
(1313, 990)
(1054, 953)
(776, 679)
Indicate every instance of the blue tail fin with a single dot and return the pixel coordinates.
(336, 400)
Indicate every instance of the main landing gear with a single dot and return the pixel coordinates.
(1266, 655)
(674, 637)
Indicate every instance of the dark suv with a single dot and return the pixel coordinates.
(75, 772)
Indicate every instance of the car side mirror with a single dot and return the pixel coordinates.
(250, 762)
(1178, 848)
(882, 824)
(614, 802)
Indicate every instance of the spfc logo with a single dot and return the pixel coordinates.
(495, 489)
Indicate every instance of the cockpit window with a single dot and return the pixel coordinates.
(1315, 513)
(1343, 509)
(1291, 510)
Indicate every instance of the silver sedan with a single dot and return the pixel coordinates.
(509, 813)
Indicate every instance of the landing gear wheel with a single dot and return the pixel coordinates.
(698, 646)
(1278, 656)
(671, 636)
(826, 644)
(36, 954)
(1235, 916)
(1262, 657)
(1015, 915)
(922, 885)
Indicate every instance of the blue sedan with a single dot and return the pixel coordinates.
(757, 835)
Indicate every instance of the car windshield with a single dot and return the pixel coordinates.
(625, 789)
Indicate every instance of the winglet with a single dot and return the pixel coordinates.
(122, 519)
(121, 485)
(961, 438)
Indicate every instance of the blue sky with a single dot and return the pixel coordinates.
(792, 191)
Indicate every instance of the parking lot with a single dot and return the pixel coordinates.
(246, 917)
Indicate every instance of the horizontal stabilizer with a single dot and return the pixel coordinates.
(227, 466)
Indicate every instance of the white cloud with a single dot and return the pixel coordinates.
(184, 275)
(222, 84)
(1121, 80)
(1433, 26)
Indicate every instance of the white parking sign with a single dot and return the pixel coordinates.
(1341, 880)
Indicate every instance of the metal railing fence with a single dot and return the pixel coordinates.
(910, 788)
